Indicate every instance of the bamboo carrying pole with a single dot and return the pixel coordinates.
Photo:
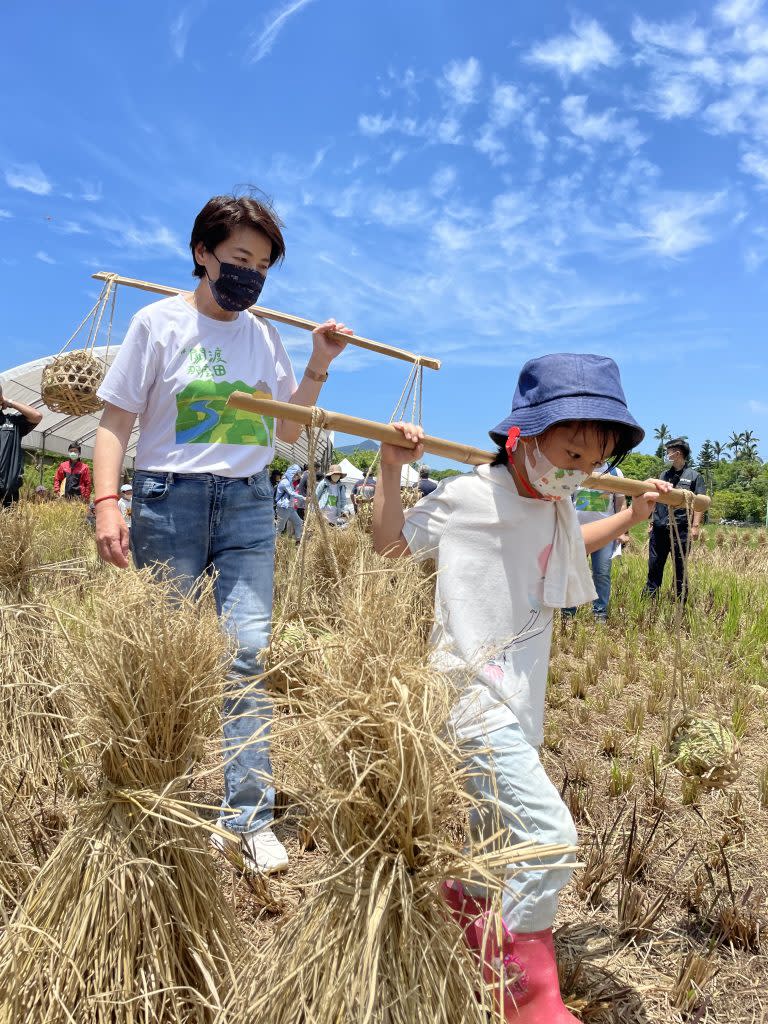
(387, 434)
(284, 318)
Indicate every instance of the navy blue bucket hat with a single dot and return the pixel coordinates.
(567, 386)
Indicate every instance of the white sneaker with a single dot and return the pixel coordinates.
(261, 851)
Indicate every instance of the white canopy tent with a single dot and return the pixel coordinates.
(351, 473)
(57, 431)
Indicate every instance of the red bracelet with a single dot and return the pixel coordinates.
(107, 497)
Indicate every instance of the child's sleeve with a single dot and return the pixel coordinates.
(132, 373)
(425, 523)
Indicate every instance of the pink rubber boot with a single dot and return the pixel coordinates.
(520, 968)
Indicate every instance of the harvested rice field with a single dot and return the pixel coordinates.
(115, 910)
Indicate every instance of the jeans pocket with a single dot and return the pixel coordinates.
(150, 487)
(260, 485)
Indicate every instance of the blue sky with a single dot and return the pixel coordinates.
(482, 183)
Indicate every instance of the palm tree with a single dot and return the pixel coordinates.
(748, 437)
(718, 450)
(749, 452)
(662, 435)
(734, 444)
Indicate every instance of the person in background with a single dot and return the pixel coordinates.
(424, 485)
(331, 495)
(363, 491)
(591, 506)
(274, 480)
(73, 477)
(126, 501)
(14, 424)
(682, 475)
(286, 502)
(41, 495)
(304, 487)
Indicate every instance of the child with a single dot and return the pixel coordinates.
(287, 501)
(202, 500)
(509, 550)
(331, 495)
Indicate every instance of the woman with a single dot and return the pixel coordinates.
(331, 495)
(202, 499)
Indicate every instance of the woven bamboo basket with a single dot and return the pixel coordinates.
(70, 382)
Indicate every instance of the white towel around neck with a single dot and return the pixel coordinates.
(567, 578)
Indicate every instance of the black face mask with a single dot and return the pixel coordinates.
(236, 288)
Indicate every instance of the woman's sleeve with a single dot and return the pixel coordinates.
(132, 373)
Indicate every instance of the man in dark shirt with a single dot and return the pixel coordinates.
(663, 540)
(425, 485)
(14, 424)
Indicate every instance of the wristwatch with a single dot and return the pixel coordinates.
(321, 378)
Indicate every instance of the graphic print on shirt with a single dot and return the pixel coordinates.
(202, 413)
(537, 622)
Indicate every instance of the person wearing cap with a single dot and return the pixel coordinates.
(287, 501)
(424, 485)
(662, 539)
(331, 495)
(73, 477)
(126, 502)
(509, 550)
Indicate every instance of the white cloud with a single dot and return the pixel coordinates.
(753, 71)
(29, 177)
(375, 124)
(675, 96)
(147, 239)
(506, 103)
(447, 131)
(179, 32)
(397, 208)
(761, 408)
(489, 144)
(442, 181)
(733, 113)
(68, 227)
(5, 214)
(451, 237)
(589, 46)
(675, 225)
(273, 26)
(461, 80)
(678, 36)
(44, 257)
(734, 12)
(756, 164)
(603, 127)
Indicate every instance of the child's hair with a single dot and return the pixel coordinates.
(620, 435)
(222, 214)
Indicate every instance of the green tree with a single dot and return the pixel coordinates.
(706, 462)
(639, 467)
(361, 458)
(719, 451)
(734, 443)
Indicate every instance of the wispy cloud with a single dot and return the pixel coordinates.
(5, 214)
(461, 81)
(678, 36)
(587, 47)
(761, 408)
(29, 177)
(92, 191)
(44, 257)
(275, 23)
(180, 26)
(734, 12)
(606, 126)
(147, 238)
(68, 227)
(677, 224)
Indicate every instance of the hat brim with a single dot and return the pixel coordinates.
(535, 420)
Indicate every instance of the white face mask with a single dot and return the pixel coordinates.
(550, 481)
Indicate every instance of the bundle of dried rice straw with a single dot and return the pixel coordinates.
(705, 750)
(364, 752)
(125, 922)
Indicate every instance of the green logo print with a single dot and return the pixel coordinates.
(202, 413)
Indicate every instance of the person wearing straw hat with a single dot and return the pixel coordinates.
(331, 495)
(14, 424)
(509, 550)
(202, 501)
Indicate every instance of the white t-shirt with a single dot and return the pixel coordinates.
(492, 632)
(176, 369)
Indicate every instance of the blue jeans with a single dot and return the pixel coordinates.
(517, 803)
(601, 577)
(196, 523)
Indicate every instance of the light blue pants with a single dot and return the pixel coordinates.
(516, 796)
(289, 516)
(602, 563)
(196, 523)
